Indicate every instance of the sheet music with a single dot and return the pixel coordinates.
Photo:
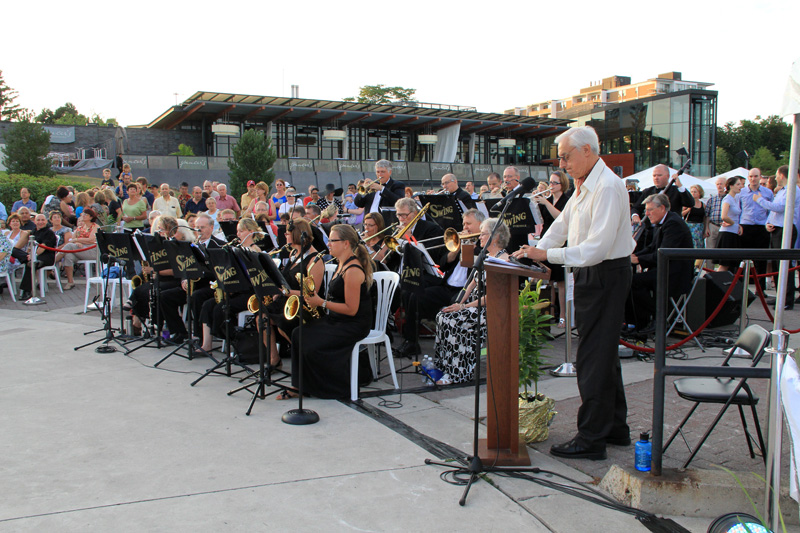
(481, 206)
(429, 265)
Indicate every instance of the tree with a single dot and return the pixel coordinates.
(381, 94)
(8, 109)
(764, 160)
(253, 157)
(185, 150)
(67, 115)
(723, 161)
(771, 132)
(27, 145)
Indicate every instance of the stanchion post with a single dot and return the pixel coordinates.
(33, 300)
(779, 350)
(743, 314)
(567, 369)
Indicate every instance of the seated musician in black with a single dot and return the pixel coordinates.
(44, 236)
(450, 186)
(318, 240)
(670, 231)
(345, 318)
(173, 299)
(212, 313)
(431, 296)
(139, 302)
(301, 257)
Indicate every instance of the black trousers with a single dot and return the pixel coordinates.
(756, 236)
(425, 304)
(600, 294)
(43, 260)
(171, 301)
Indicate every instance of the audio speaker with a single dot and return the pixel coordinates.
(717, 284)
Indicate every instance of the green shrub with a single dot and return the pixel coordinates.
(39, 186)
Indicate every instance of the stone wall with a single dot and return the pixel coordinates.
(140, 140)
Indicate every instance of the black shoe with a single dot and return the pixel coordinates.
(788, 307)
(409, 349)
(24, 295)
(649, 329)
(619, 441)
(177, 338)
(573, 450)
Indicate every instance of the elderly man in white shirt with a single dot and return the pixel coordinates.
(166, 203)
(596, 227)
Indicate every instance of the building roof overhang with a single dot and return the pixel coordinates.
(238, 108)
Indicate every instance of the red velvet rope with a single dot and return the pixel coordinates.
(68, 251)
(760, 293)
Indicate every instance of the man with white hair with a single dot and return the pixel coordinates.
(595, 224)
(383, 191)
(225, 200)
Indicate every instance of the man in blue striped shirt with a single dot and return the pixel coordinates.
(754, 218)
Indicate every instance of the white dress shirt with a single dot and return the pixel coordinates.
(594, 224)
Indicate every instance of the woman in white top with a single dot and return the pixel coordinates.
(211, 204)
(291, 201)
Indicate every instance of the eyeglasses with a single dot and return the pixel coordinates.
(555, 183)
(403, 215)
(336, 240)
(566, 156)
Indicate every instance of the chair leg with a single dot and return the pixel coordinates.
(10, 286)
(747, 436)
(390, 358)
(42, 283)
(707, 433)
(758, 433)
(680, 426)
(354, 372)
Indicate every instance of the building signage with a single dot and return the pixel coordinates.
(61, 134)
(443, 167)
(301, 166)
(192, 163)
(349, 166)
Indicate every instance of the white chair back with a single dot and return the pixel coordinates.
(387, 283)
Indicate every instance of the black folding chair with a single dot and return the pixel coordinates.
(725, 391)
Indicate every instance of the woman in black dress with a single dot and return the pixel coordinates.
(302, 254)
(328, 342)
(550, 209)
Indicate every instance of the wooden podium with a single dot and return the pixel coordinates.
(502, 445)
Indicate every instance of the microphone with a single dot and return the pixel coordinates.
(525, 186)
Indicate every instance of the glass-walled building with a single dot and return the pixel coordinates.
(653, 129)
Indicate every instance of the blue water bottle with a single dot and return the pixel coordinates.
(643, 453)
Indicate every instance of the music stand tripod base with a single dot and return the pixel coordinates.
(564, 370)
(105, 348)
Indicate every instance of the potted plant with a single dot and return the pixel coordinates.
(535, 409)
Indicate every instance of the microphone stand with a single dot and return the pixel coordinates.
(473, 465)
(300, 416)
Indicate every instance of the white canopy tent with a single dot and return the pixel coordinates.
(645, 178)
(740, 172)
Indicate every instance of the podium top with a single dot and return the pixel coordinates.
(513, 270)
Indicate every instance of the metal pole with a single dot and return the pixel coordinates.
(33, 300)
(779, 350)
(659, 379)
(743, 315)
(567, 369)
(788, 222)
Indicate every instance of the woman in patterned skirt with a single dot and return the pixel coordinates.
(456, 324)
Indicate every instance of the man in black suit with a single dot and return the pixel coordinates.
(172, 299)
(430, 298)
(670, 231)
(679, 197)
(450, 185)
(383, 191)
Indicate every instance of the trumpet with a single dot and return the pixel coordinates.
(364, 188)
(547, 193)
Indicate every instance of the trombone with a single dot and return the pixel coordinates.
(363, 235)
(393, 241)
(453, 239)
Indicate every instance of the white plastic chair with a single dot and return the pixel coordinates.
(330, 270)
(387, 283)
(94, 280)
(112, 284)
(91, 267)
(10, 285)
(43, 279)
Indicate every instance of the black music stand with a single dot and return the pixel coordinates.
(266, 281)
(301, 416)
(189, 263)
(444, 210)
(231, 280)
(113, 249)
(154, 254)
(228, 228)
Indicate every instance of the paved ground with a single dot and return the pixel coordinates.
(95, 442)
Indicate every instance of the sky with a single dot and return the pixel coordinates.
(128, 60)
